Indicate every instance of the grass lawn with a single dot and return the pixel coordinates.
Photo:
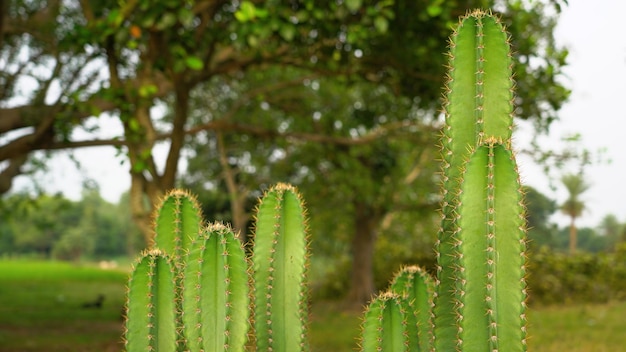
(41, 310)
(41, 307)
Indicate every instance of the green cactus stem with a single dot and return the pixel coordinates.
(150, 317)
(216, 297)
(177, 222)
(418, 288)
(279, 268)
(491, 289)
(389, 325)
(478, 107)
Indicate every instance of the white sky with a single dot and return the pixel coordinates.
(594, 33)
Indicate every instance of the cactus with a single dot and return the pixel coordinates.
(479, 303)
(490, 293)
(418, 288)
(151, 304)
(177, 223)
(279, 267)
(215, 299)
(390, 325)
(480, 297)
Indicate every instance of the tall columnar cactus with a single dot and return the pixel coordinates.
(279, 267)
(215, 299)
(151, 305)
(177, 224)
(479, 304)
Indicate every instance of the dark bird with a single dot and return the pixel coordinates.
(97, 303)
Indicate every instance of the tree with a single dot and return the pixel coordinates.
(126, 58)
(539, 209)
(573, 206)
(612, 230)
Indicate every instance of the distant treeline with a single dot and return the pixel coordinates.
(53, 227)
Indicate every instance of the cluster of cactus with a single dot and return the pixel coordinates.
(478, 299)
(192, 291)
(196, 289)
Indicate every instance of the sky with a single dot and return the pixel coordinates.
(593, 31)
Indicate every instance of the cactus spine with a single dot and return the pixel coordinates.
(479, 303)
(279, 267)
(215, 299)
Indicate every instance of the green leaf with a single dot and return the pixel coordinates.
(381, 24)
(434, 10)
(194, 63)
(288, 32)
(248, 12)
(147, 90)
(354, 5)
(168, 20)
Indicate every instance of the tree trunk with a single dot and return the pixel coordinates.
(363, 242)
(236, 195)
(572, 235)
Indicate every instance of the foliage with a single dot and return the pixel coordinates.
(582, 277)
(55, 227)
(539, 209)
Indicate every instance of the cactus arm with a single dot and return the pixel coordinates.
(279, 269)
(491, 285)
(215, 298)
(177, 223)
(151, 319)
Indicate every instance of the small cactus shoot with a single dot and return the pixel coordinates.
(151, 305)
(389, 325)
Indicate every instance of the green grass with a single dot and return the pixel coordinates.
(41, 307)
(40, 310)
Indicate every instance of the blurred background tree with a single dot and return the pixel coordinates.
(339, 97)
(574, 205)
